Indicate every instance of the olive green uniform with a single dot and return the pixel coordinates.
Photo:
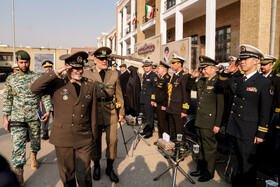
(209, 114)
(107, 117)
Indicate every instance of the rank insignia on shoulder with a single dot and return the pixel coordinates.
(271, 91)
(251, 89)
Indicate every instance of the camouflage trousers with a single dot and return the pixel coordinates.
(18, 135)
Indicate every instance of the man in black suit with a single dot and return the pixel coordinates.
(250, 114)
(178, 97)
(148, 87)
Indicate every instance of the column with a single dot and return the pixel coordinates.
(132, 43)
(124, 20)
(113, 44)
(98, 42)
(108, 42)
(163, 27)
(132, 15)
(178, 25)
(210, 28)
(124, 48)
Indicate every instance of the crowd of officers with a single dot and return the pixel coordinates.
(87, 102)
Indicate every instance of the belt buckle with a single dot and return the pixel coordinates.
(102, 99)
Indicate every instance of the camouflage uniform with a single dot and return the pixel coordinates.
(22, 105)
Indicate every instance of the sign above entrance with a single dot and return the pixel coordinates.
(146, 49)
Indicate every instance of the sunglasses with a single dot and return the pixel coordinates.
(102, 58)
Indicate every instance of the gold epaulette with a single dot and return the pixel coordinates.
(186, 106)
(262, 129)
(223, 78)
(277, 127)
(153, 96)
(277, 110)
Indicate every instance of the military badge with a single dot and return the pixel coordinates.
(104, 53)
(110, 86)
(271, 91)
(251, 89)
(88, 97)
(65, 97)
(65, 92)
(79, 59)
(243, 48)
(201, 59)
(210, 87)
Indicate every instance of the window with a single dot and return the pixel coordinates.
(170, 3)
(223, 45)
(194, 51)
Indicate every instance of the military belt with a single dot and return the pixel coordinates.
(104, 99)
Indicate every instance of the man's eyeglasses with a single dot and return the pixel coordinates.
(102, 58)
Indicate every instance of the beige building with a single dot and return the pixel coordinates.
(195, 27)
(38, 55)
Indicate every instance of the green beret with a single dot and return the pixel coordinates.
(22, 55)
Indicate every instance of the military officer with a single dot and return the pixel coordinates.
(160, 97)
(209, 112)
(22, 105)
(148, 86)
(268, 153)
(48, 66)
(115, 67)
(178, 97)
(250, 114)
(108, 93)
(74, 100)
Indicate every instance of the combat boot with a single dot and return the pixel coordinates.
(110, 172)
(19, 173)
(33, 160)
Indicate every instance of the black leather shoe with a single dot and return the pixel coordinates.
(196, 173)
(45, 137)
(148, 135)
(204, 178)
(143, 133)
(96, 173)
(112, 175)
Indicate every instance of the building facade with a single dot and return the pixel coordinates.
(157, 28)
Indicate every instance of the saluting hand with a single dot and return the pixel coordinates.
(258, 140)
(216, 129)
(232, 67)
(196, 73)
(60, 70)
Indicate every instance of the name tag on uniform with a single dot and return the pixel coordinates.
(65, 92)
(251, 89)
(88, 97)
(210, 87)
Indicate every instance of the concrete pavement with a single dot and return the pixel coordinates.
(138, 170)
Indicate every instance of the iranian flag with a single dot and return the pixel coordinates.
(134, 19)
(149, 11)
(112, 37)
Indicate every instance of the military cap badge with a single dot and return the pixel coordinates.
(243, 48)
(103, 52)
(79, 59)
(201, 59)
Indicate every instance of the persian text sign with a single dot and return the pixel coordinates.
(146, 49)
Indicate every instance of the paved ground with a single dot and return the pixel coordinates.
(138, 169)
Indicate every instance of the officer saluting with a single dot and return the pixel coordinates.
(74, 100)
(108, 92)
(250, 114)
(178, 97)
(208, 117)
(160, 97)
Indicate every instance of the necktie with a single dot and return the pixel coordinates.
(244, 79)
(102, 75)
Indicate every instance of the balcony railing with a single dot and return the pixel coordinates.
(145, 19)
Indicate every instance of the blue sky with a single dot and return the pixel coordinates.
(55, 23)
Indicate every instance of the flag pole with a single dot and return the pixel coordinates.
(14, 40)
